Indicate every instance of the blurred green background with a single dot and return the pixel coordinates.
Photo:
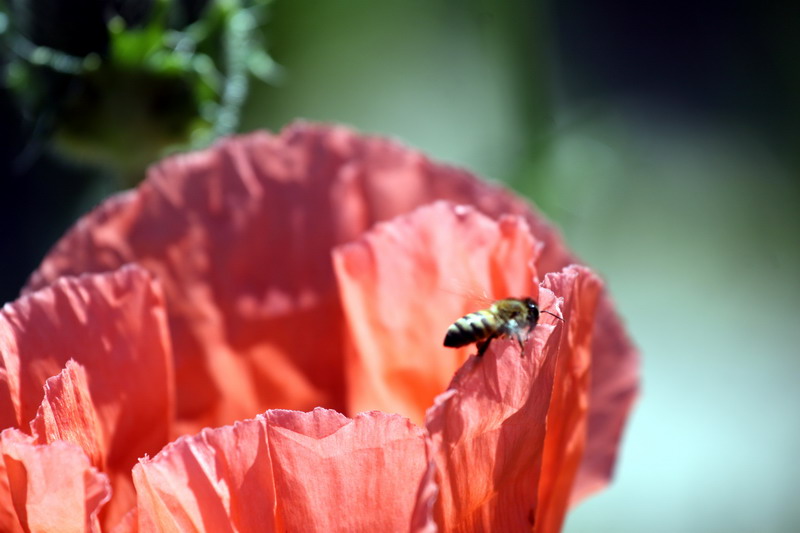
(662, 138)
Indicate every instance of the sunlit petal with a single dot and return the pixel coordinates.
(405, 282)
(49, 488)
(488, 431)
(114, 399)
(289, 471)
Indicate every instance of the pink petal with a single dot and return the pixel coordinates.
(240, 235)
(393, 284)
(567, 416)
(128, 523)
(615, 360)
(489, 433)
(422, 519)
(113, 324)
(67, 413)
(614, 388)
(49, 488)
(215, 481)
(337, 474)
(387, 282)
(330, 474)
(116, 401)
(390, 288)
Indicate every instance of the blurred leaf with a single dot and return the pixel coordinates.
(263, 67)
(165, 73)
(132, 47)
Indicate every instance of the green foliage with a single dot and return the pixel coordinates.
(163, 75)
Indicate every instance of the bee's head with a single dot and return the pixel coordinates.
(533, 310)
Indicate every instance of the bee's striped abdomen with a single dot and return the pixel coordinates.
(511, 317)
(474, 327)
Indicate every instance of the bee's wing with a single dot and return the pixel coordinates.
(470, 292)
(465, 298)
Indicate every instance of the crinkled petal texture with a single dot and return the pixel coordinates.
(49, 488)
(568, 416)
(87, 361)
(68, 413)
(391, 283)
(615, 386)
(510, 431)
(241, 234)
(289, 471)
(489, 431)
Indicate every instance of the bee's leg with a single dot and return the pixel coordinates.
(521, 343)
(483, 345)
(517, 334)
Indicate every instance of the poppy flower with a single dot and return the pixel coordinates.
(270, 358)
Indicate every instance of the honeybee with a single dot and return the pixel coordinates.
(512, 317)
